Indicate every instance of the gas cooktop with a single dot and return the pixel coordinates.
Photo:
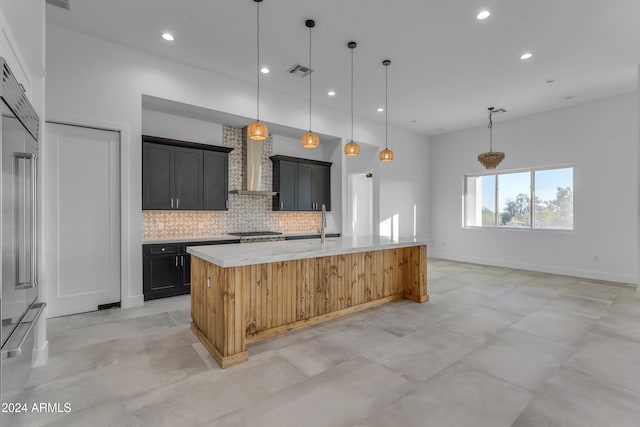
(256, 233)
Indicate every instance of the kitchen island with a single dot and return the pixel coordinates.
(241, 293)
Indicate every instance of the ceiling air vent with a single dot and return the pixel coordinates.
(300, 70)
(64, 4)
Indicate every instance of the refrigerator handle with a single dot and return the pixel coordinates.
(33, 261)
(34, 220)
(17, 350)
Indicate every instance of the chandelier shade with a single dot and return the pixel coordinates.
(491, 159)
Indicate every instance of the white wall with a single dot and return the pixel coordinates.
(286, 146)
(601, 139)
(97, 83)
(22, 45)
(155, 123)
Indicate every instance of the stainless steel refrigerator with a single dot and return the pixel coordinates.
(19, 305)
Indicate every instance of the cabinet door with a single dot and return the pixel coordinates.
(161, 276)
(216, 187)
(187, 178)
(306, 201)
(185, 263)
(157, 170)
(322, 186)
(287, 187)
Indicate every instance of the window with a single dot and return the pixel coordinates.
(504, 200)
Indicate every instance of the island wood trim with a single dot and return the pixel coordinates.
(248, 303)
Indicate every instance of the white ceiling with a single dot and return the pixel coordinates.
(447, 67)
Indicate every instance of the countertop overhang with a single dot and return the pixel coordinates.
(239, 254)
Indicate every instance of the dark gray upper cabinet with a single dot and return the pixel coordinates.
(306, 201)
(285, 174)
(183, 175)
(301, 184)
(322, 186)
(157, 173)
(216, 180)
(187, 178)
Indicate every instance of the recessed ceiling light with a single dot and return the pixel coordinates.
(264, 70)
(483, 15)
(526, 55)
(331, 93)
(168, 37)
(380, 110)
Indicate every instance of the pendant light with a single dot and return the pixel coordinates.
(352, 148)
(257, 130)
(386, 155)
(310, 139)
(491, 159)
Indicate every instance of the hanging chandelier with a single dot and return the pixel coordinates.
(352, 148)
(257, 130)
(310, 139)
(386, 155)
(491, 159)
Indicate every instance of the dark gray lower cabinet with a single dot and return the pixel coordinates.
(166, 270)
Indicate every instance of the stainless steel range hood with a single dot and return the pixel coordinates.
(252, 162)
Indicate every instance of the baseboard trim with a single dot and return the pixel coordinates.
(586, 274)
(41, 355)
(134, 301)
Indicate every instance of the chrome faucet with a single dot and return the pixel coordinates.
(323, 223)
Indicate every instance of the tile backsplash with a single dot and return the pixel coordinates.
(246, 212)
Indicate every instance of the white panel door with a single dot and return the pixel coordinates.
(361, 205)
(82, 218)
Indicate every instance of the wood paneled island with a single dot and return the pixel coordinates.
(245, 292)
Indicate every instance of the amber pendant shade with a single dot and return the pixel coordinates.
(386, 155)
(352, 149)
(258, 131)
(310, 140)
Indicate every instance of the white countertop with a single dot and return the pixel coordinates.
(191, 239)
(238, 254)
(221, 238)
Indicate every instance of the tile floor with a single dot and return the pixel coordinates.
(494, 347)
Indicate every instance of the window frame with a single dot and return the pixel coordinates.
(532, 195)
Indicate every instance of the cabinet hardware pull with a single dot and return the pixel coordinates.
(172, 203)
(182, 261)
(178, 203)
(226, 204)
(176, 261)
(281, 205)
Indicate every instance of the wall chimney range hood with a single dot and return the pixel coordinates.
(252, 157)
